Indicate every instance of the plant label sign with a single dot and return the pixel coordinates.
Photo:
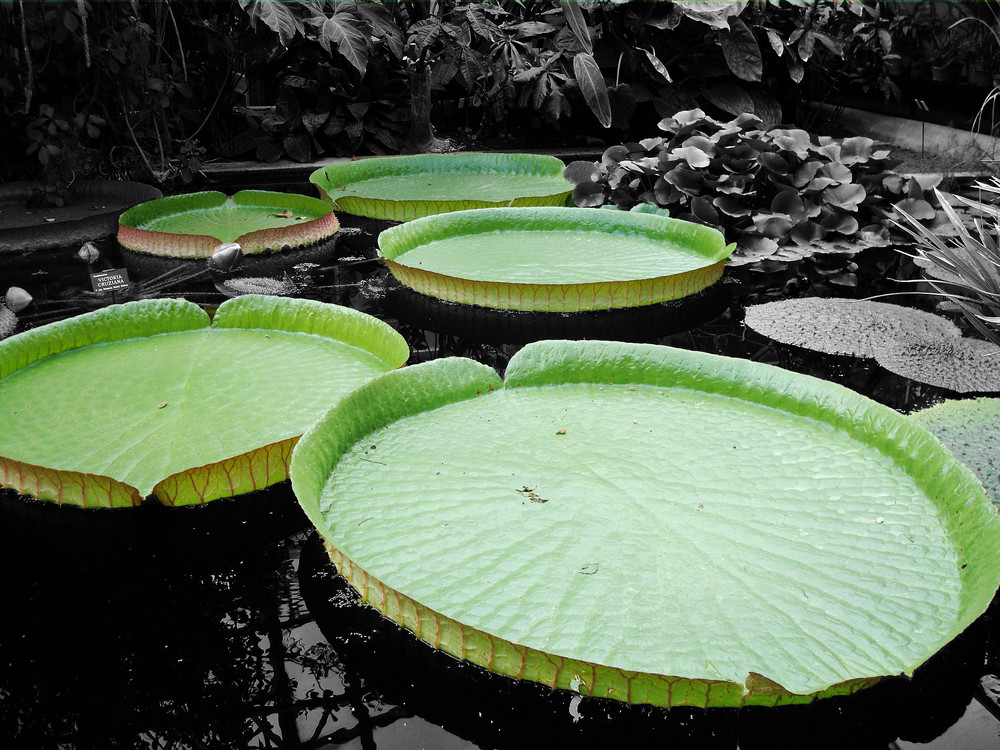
(110, 280)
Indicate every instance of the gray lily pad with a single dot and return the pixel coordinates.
(968, 429)
(855, 328)
(961, 365)
(912, 343)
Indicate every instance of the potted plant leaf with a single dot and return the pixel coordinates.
(946, 54)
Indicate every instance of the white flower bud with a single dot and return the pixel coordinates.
(17, 299)
(226, 256)
(88, 253)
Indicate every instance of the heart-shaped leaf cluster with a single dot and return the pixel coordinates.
(762, 188)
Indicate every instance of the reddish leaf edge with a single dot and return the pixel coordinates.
(231, 477)
(200, 246)
(67, 487)
(174, 245)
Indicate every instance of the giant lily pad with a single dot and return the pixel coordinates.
(147, 398)
(401, 188)
(192, 225)
(554, 259)
(650, 524)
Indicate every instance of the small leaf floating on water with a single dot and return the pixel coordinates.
(88, 253)
(17, 299)
(226, 257)
(162, 405)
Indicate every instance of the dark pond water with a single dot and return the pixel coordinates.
(226, 627)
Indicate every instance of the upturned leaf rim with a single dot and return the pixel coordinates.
(603, 294)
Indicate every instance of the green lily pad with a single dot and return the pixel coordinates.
(401, 188)
(148, 398)
(193, 225)
(968, 429)
(650, 524)
(554, 259)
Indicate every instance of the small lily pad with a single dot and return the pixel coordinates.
(609, 520)
(148, 398)
(401, 188)
(192, 225)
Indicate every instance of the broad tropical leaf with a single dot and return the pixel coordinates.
(578, 24)
(382, 25)
(595, 90)
(741, 51)
(276, 16)
(348, 32)
(714, 13)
